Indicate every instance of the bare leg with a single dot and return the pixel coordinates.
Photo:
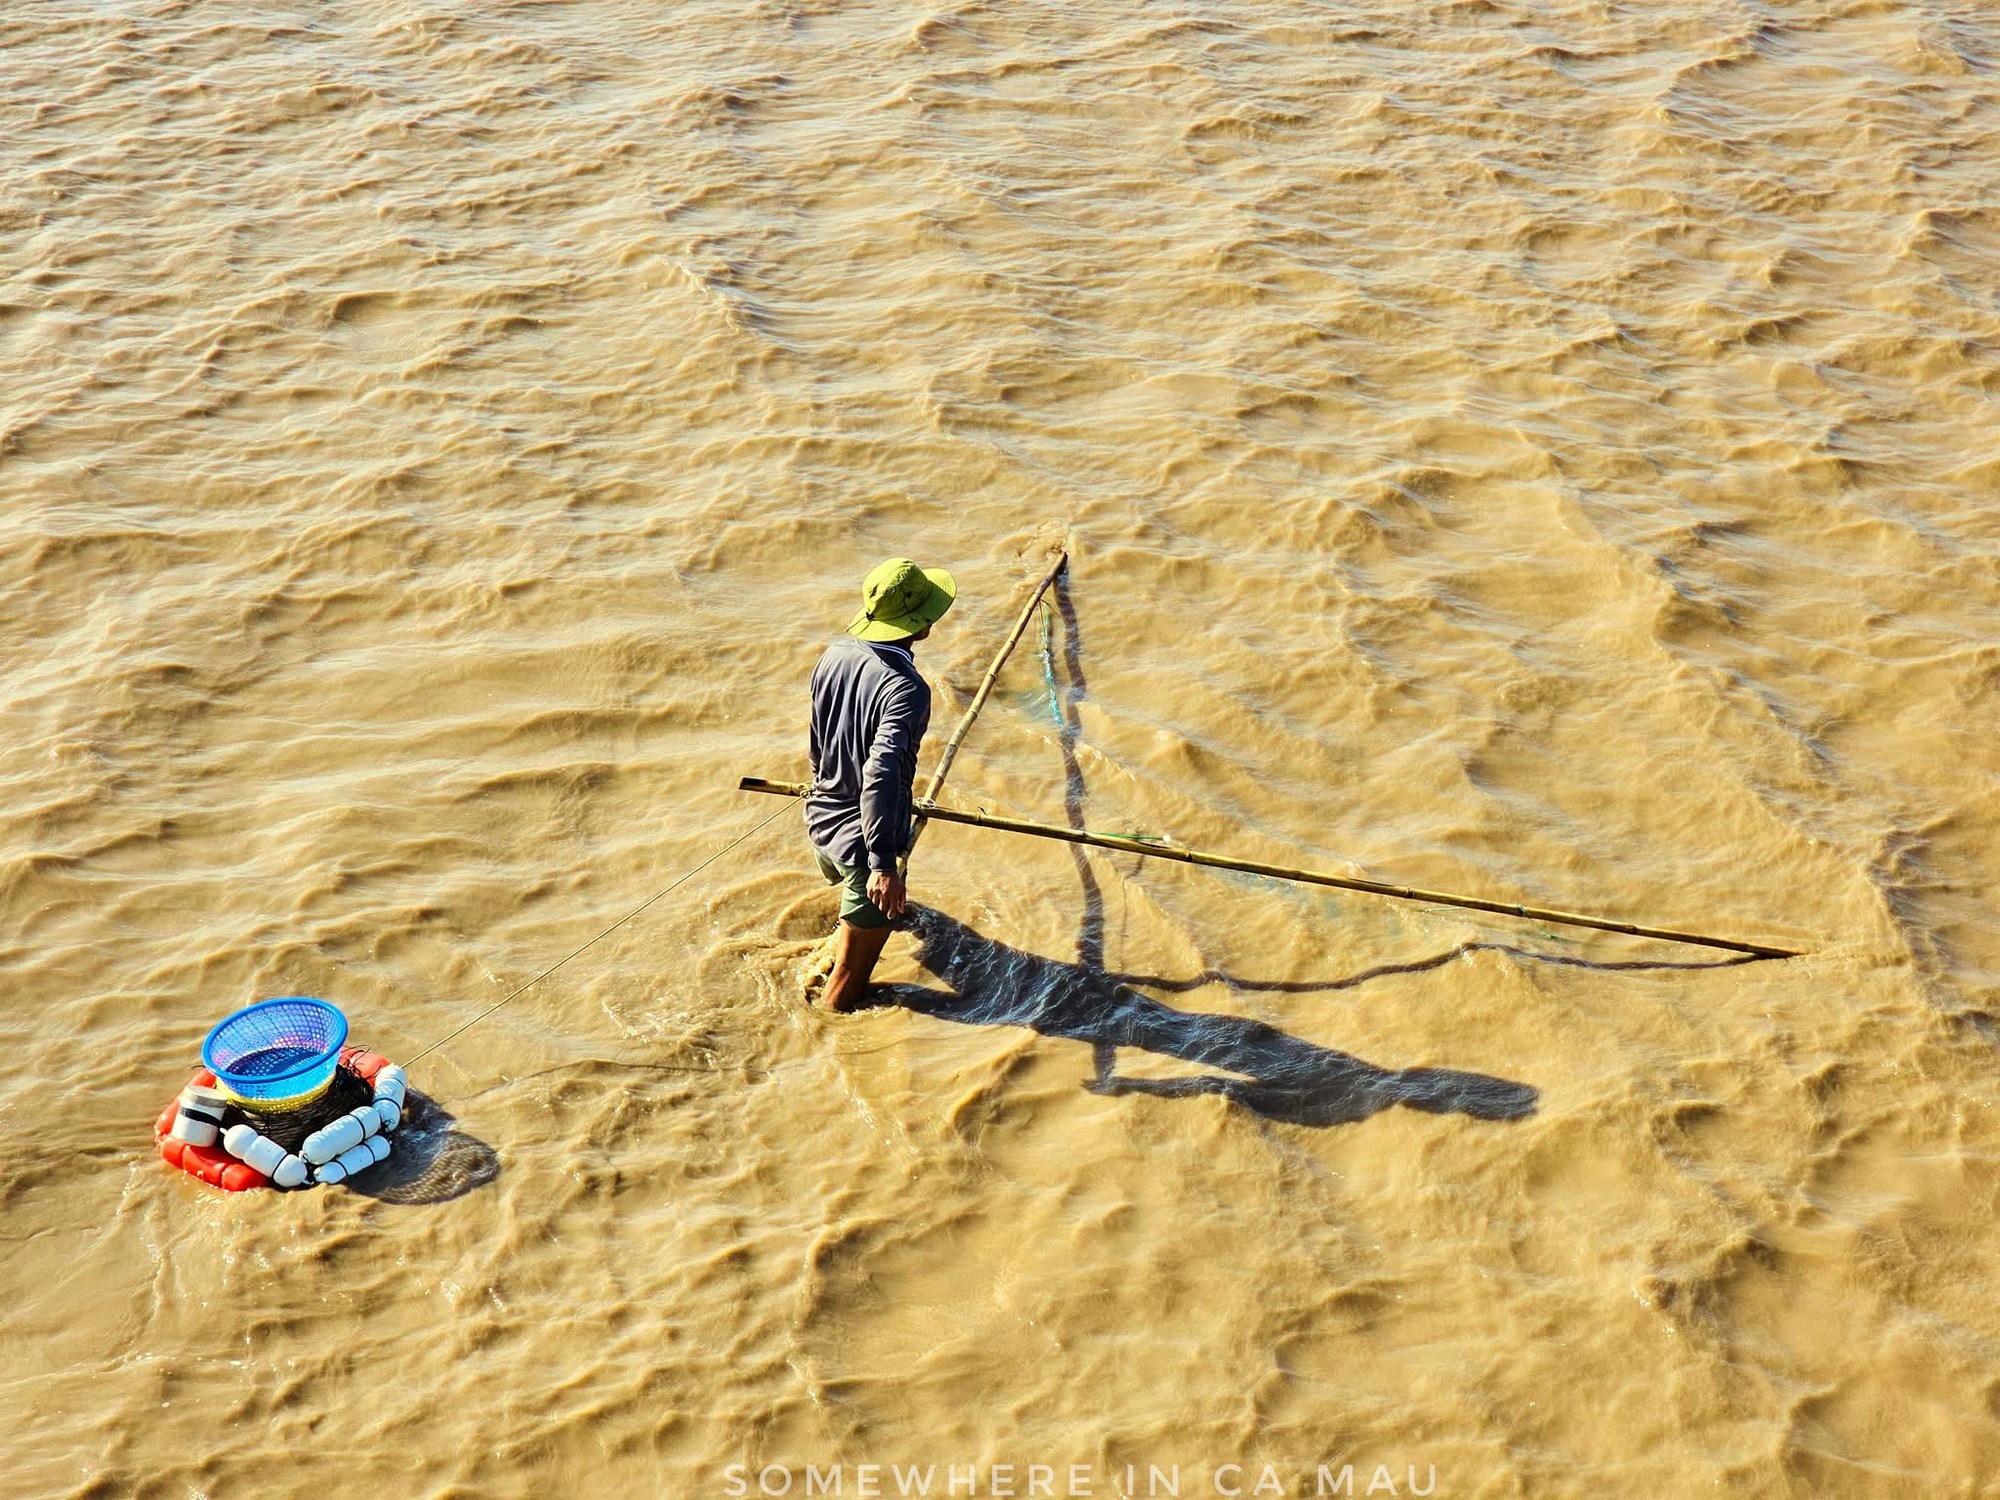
(855, 950)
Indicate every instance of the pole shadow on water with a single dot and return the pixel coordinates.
(1262, 1068)
(1421, 966)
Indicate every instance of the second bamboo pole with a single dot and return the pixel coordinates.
(1309, 877)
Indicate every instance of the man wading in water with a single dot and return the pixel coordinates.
(869, 713)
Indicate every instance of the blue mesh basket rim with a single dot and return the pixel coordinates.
(265, 1081)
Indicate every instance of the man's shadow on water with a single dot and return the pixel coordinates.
(1264, 1069)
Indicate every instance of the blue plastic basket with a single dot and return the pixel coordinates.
(277, 1052)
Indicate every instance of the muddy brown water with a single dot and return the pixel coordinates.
(1545, 452)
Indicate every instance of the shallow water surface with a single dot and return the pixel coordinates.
(1544, 452)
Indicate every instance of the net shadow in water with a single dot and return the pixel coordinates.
(1279, 1076)
(433, 1161)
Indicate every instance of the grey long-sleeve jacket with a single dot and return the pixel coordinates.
(869, 713)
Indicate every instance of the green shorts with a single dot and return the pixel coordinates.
(856, 910)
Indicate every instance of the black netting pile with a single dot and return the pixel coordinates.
(290, 1127)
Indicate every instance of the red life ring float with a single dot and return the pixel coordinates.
(217, 1167)
(211, 1164)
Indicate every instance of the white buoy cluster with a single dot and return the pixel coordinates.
(333, 1153)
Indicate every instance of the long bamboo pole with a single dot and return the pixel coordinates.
(1309, 877)
(979, 698)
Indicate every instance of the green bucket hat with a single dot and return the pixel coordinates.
(898, 599)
